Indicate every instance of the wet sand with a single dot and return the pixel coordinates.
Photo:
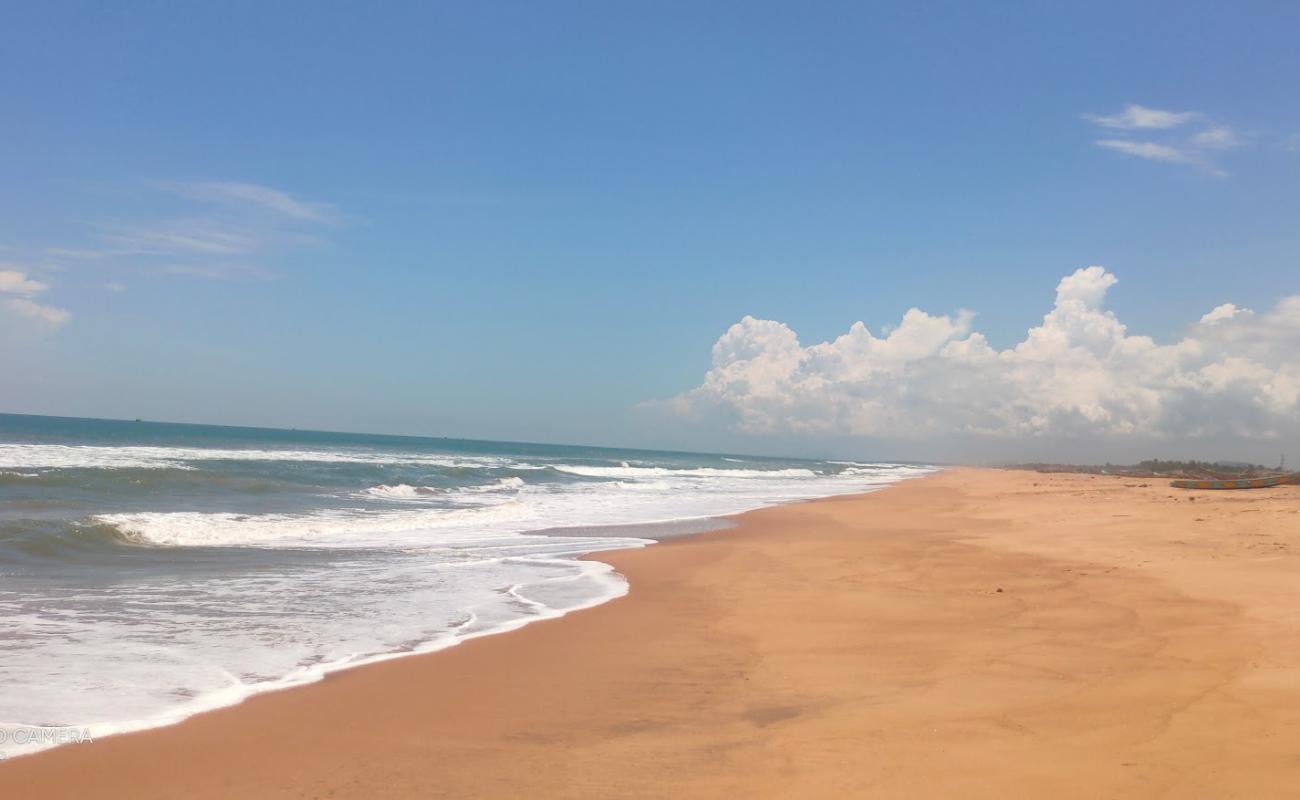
(972, 634)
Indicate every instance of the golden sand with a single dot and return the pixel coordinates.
(973, 634)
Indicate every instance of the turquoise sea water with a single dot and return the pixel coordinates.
(150, 571)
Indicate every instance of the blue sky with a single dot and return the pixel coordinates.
(522, 221)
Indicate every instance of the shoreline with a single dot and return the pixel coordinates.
(642, 534)
(973, 633)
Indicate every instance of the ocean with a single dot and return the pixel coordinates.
(151, 571)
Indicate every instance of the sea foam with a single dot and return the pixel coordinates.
(146, 581)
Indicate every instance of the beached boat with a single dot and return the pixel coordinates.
(1244, 483)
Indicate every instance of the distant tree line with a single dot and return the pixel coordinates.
(1159, 467)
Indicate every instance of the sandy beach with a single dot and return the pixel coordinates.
(977, 633)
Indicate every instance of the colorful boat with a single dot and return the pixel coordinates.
(1244, 483)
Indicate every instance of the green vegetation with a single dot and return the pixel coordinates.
(1154, 467)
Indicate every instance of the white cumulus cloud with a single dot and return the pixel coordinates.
(1225, 311)
(43, 315)
(1078, 374)
(17, 307)
(13, 281)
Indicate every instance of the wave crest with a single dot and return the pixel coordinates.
(338, 528)
(626, 471)
(406, 492)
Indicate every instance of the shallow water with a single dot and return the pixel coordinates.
(151, 571)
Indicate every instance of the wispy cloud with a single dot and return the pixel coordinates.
(1136, 117)
(1165, 136)
(74, 252)
(1220, 137)
(182, 237)
(217, 230)
(1149, 150)
(253, 197)
(217, 272)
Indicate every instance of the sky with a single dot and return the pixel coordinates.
(912, 230)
